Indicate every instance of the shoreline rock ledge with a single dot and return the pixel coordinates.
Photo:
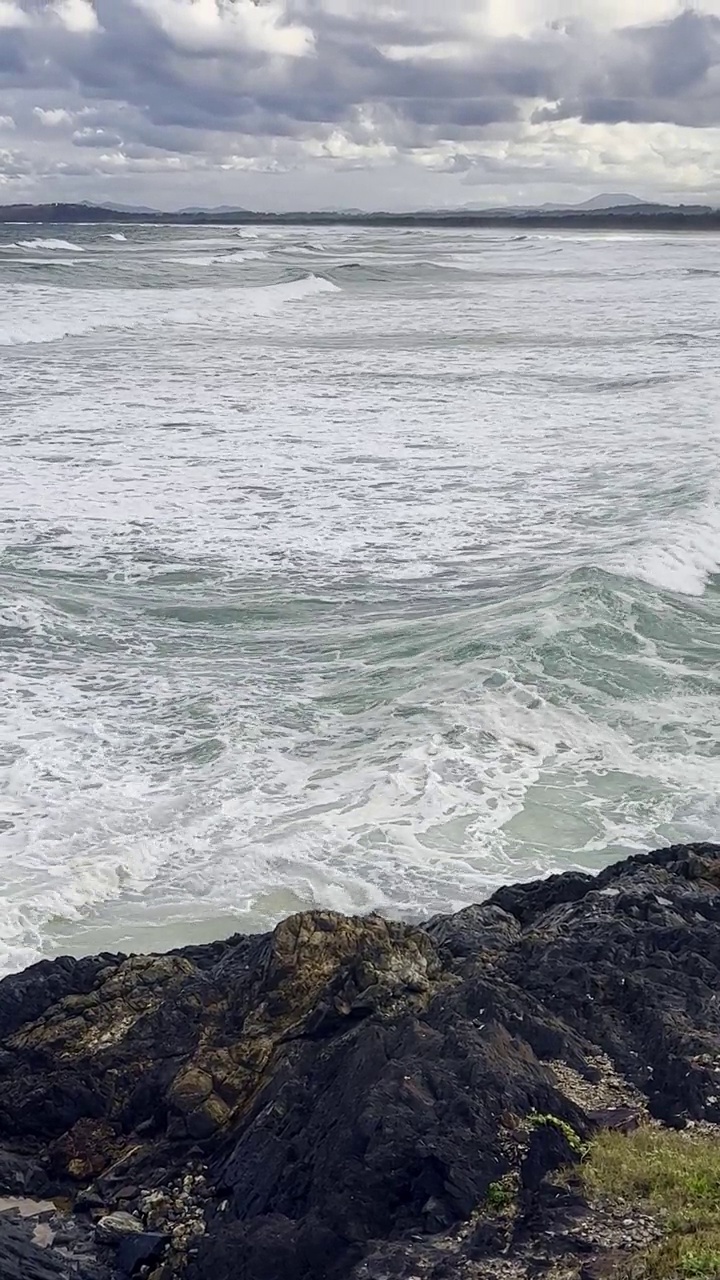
(361, 1099)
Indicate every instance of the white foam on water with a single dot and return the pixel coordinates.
(590, 237)
(38, 314)
(683, 557)
(306, 610)
(197, 242)
(340, 838)
(218, 259)
(116, 235)
(245, 255)
(411, 821)
(301, 250)
(50, 244)
(43, 262)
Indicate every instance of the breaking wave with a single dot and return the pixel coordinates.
(59, 245)
(685, 555)
(45, 314)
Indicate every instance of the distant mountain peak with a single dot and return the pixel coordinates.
(610, 201)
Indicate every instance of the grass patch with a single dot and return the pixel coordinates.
(674, 1176)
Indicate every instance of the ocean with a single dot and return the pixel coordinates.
(350, 568)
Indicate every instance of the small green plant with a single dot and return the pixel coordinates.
(697, 1264)
(501, 1194)
(536, 1120)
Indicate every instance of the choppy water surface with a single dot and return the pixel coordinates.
(347, 568)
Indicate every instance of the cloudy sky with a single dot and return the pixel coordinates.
(281, 104)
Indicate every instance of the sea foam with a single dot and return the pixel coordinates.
(685, 556)
(60, 245)
(45, 314)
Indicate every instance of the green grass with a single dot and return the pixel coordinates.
(675, 1177)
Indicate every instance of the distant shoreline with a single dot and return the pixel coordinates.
(646, 218)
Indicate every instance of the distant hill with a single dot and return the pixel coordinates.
(605, 203)
(612, 202)
(221, 209)
(123, 208)
(633, 214)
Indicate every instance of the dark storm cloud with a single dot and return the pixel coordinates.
(374, 30)
(680, 53)
(13, 65)
(465, 113)
(662, 73)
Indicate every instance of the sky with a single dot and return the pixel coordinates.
(371, 104)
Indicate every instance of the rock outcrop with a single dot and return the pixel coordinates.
(356, 1099)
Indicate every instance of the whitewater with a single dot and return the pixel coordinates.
(354, 568)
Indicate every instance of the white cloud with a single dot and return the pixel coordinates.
(338, 146)
(52, 117)
(78, 16)
(524, 17)
(206, 25)
(11, 16)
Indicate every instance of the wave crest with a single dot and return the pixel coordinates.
(43, 313)
(59, 245)
(685, 558)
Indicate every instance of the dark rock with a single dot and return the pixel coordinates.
(21, 1176)
(548, 1149)
(274, 1246)
(30, 994)
(22, 1259)
(617, 1119)
(475, 931)
(137, 1250)
(337, 1099)
(89, 1200)
(85, 1150)
(128, 1192)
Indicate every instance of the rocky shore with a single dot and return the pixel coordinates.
(357, 1099)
